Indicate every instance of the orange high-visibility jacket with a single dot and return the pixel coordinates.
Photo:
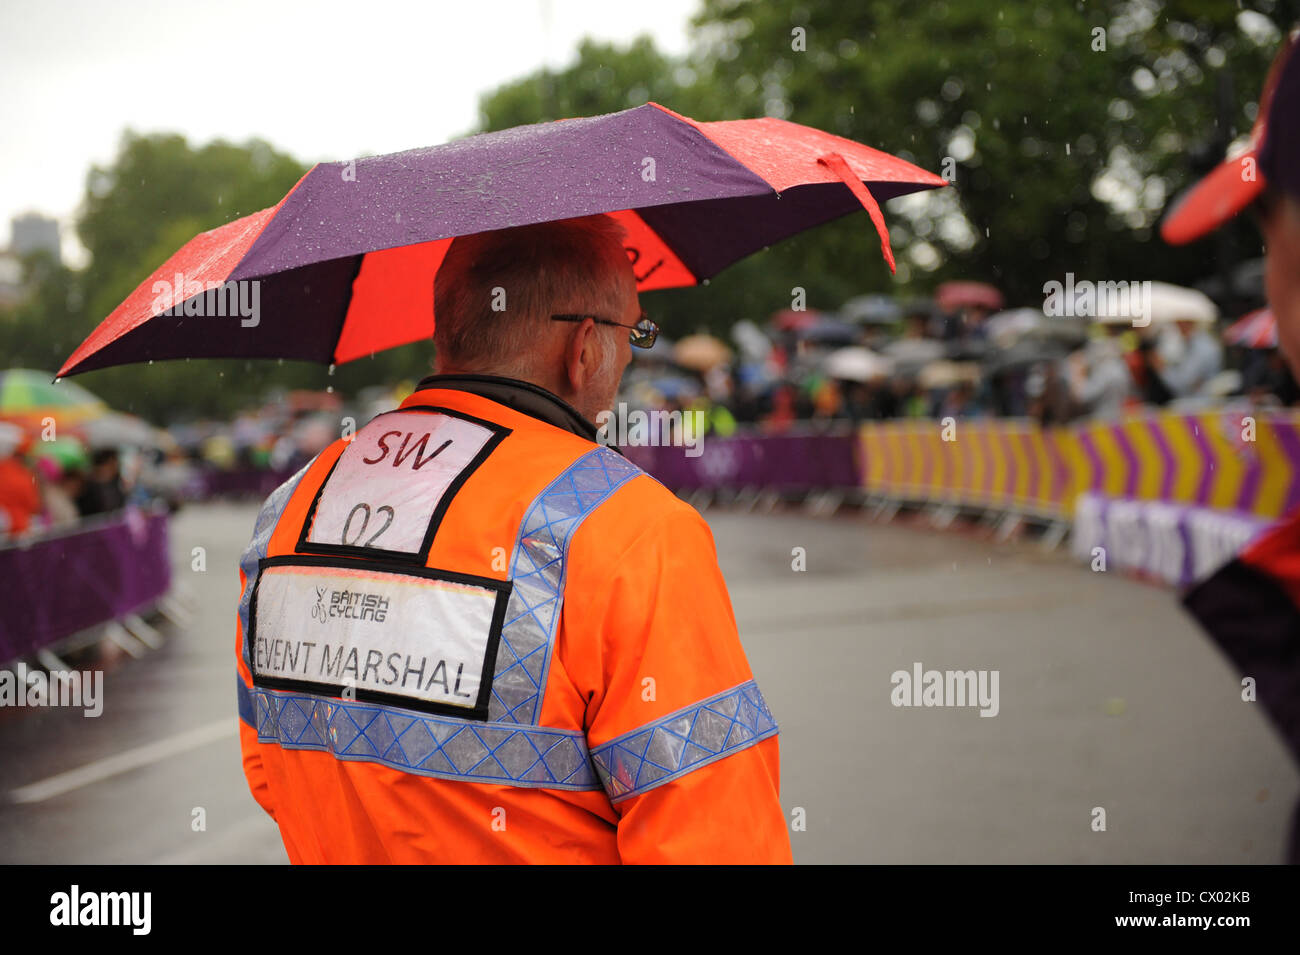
(469, 634)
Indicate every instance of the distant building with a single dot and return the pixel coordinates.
(33, 231)
(11, 280)
(30, 232)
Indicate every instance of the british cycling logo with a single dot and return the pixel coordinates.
(349, 605)
(74, 907)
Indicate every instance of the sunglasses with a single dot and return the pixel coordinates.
(644, 332)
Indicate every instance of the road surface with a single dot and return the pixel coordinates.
(1108, 698)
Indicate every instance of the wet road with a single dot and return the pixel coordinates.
(1108, 697)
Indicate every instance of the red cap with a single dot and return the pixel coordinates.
(1236, 181)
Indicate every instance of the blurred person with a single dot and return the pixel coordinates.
(916, 325)
(1144, 364)
(72, 483)
(721, 421)
(1200, 360)
(781, 414)
(859, 400)
(1100, 381)
(915, 402)
(58, 507)
(958, 401)
(885, 398)
(1051, 400)
(505, 585)
(1267, 375)
(20, 498)
(827, 399)
(103, 492)
(1251, 606)
(966, 323)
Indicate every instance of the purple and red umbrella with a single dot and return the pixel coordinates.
(1257, 329)
(951, 296)
(343, 267)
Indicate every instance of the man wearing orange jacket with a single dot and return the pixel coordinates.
(473, 633)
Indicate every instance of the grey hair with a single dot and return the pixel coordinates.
(494, 290)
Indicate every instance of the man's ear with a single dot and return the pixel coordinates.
(580, 357)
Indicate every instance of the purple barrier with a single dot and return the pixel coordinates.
(56, 586)
(243, 482)
(788, 463)
(1175, 543)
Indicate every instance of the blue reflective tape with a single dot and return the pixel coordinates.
(537, 570)
(682, 742)
(267, 518)
(245, 701)
(413, 742)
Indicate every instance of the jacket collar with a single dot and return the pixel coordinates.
(521, 396)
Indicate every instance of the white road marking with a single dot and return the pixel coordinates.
(110, 766)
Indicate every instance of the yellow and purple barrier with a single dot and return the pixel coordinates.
(1243, 461)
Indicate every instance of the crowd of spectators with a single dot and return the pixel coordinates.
(50, 491)
(930, 360)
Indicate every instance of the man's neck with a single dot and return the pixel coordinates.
(525, 397)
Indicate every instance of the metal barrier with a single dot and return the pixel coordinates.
(105, 571)
(785, 463)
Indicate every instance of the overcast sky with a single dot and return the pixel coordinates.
(323, 80)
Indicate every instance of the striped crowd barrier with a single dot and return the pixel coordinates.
(1233, 460)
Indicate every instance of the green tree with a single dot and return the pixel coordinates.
(1066, 128)
(157, 194)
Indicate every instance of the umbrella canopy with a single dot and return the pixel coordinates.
(1168, 303)
(828, 331)
(115, 430)
(24, 392)
(1009, 326)
(946, 374)
(871, 310)
(791, 320)
(857, 364)
(1174, 303)
(29, 399)
(701, 352)
(914, 352)
(951, 296)
(751, 341)
(1257, 329)
(1026, 352)
(68, 453)
(343, 265)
